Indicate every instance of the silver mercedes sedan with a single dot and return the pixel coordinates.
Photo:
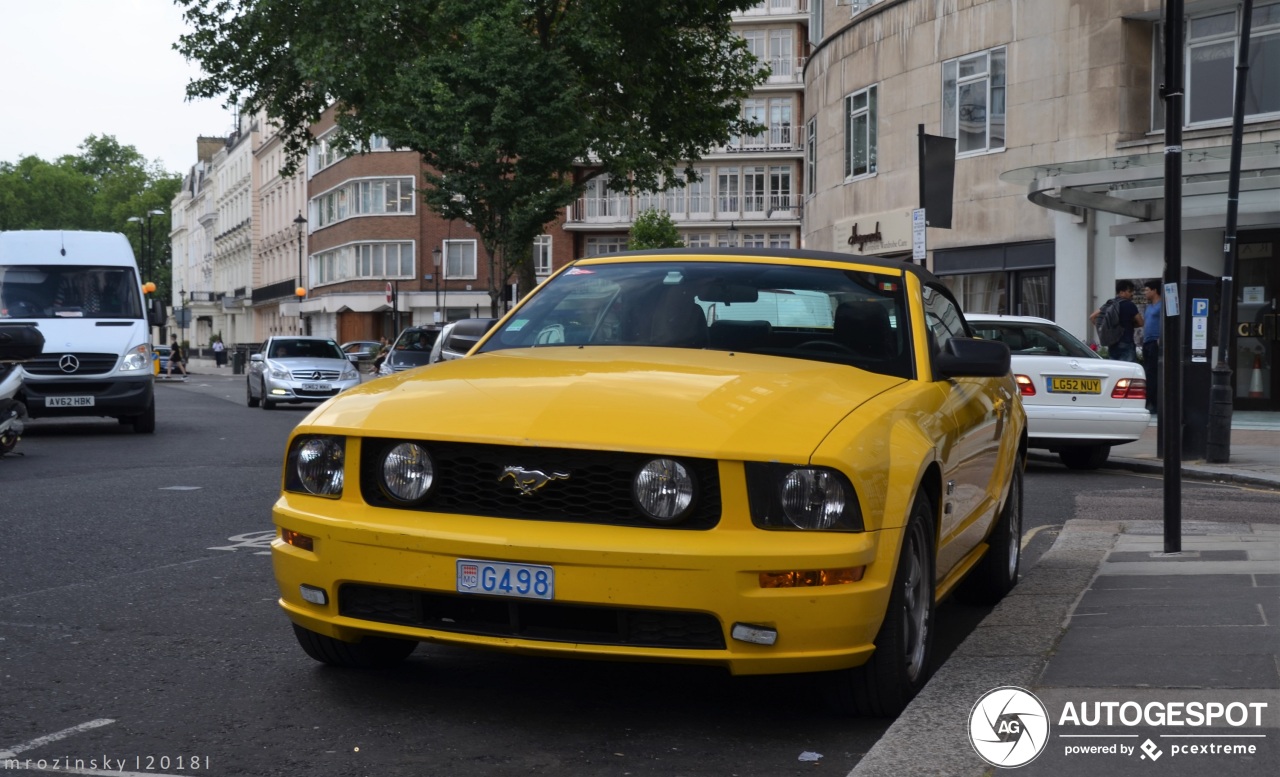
(298, 369)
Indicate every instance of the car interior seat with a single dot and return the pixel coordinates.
(864, 328)
(679, 322)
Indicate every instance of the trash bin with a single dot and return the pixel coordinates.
(237, 362)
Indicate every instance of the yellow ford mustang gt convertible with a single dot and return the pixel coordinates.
(772, 461)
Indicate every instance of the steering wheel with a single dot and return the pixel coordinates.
(827, 345)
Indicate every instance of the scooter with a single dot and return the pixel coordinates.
(17, 344)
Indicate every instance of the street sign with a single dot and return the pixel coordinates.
(1199, 329)
(390, 293)
(917, 235)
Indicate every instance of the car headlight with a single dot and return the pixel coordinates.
(785, 496)
(278, 374)
(138, 358)
(664, 491)
(315, 465)
(349, 374)
(407, 473)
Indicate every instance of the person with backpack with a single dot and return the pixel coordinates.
(1151, 322)
(177, 358)
(1116, 321)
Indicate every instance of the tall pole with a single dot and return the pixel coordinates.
(301, 289)
(1171, 330)
(1218, 441)
(436, 256)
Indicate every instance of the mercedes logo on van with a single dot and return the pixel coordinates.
(68, 363)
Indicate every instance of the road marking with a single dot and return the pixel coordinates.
(54, 737)
(254, 540)
(181, 488)
(1029, 536)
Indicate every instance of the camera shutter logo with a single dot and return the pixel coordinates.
(1009, 727)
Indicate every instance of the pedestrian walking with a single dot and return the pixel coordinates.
(1152, 321)
(219, 353)
(1116, 322)
(178, 358)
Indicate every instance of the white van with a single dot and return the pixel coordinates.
(82, 290)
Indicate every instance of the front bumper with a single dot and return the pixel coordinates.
(296, 391)
(111, 396)
(662, 579)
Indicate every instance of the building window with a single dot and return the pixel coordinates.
(698, 240)
(811, 158)
(815, 20)
(753, 110)
(860, 133)
(365, 197)
(779, 240)
(780, 123)
(699, 192)
(542, 255)
(727, 190)
(973, 101)
(1213, 42)
(599, 246)
(753, 189)
(779, 189)
(378, 261)
(325, 151)
(460, 259)
(781, 55)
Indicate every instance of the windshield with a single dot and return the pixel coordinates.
(33, 291)
(1033, 339)
(305, 349)
(413, 347)
(818, 313)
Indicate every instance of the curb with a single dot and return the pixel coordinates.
(1011, 646)
(1193, 472)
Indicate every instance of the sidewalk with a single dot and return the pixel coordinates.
(1106, 623)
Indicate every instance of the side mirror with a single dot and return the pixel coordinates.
(155, 313)
(257, 357)
(968, 357)
(354, 358)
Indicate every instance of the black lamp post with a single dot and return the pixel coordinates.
(145, 240)
(182, 314)
(436, 256)
(301, 290)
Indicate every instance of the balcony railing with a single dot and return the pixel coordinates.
(785, 70)
(685, 207)
(777, 8)
(778, 137)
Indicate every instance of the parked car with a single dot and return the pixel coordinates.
(769, 461)
(411, 349)
(457, 338)
(1078, 404)
(361, 352)
(298, 369)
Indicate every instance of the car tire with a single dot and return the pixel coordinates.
(249, 398)
(145, 422)
(368, 653)
(997, 573)
(1084, 456)
(267, 404)
(902, 661)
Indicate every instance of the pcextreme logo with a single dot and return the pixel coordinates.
(1009, 727)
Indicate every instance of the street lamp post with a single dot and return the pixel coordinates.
(182, 315)
(301, 291)
(145, 240)
(436, 256)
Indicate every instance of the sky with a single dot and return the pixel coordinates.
(74, 68)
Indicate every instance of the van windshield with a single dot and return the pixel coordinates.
(33, 291)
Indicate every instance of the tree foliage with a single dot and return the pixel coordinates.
(504, 99)
(654, 229)
(98, 189)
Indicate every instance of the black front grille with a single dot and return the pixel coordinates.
(549, 621)
(89, 364)
(469, 480)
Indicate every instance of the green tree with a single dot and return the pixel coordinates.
(513, 104)
(99, 188)
(654, 229)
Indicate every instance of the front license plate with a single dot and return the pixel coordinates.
(496, 578)
(1075, 385)
(316, 387)
(68, 401)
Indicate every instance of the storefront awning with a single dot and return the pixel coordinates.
(1133, 186)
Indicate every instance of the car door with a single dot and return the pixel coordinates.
(974, 411)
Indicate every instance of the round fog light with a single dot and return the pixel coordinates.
(407, 472)
(664, 490)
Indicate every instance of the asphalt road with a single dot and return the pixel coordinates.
(139, 631)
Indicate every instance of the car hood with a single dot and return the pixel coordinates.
(684, 402)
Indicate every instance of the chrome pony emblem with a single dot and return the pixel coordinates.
(527, 481)
(68, 363)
